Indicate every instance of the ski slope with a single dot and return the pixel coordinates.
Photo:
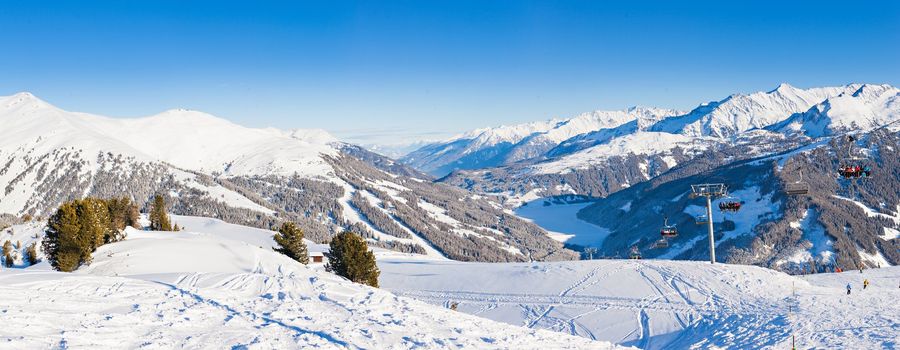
(220, 286)
(654, 304)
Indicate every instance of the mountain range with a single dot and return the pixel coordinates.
(204, 165)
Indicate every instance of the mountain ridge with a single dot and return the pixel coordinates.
(204, 165)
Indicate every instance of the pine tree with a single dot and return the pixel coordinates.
(31, 254)
(74, 232)
(159, 219)
(349, 256)
(95, 222)
(290, 242)
(8, 259)
(122, 213)
(59, 242)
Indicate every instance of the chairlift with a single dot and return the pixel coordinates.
(853, 167)
(661, 243)
(730, 204)
(635, 253)
(798, 187)
(668, 231)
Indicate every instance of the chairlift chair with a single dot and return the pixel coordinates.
(662, 243)
(798, 187)
(730, 204)
(853, 167)
(668, 231)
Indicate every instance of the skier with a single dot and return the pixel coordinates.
(848, 288)
(865, 283)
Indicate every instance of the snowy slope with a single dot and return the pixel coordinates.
(203, 290)
(665, 305)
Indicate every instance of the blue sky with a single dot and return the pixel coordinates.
(395, 71)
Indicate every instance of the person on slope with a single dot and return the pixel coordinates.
(865, 283)
(848, 288)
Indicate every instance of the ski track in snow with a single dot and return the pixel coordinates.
(225, 288)
(673, 305)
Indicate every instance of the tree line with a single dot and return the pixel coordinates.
(80, 226)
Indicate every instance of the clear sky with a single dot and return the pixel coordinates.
(394, 71)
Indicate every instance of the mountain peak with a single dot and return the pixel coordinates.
(23, 99)
(784, 87)
(185, 116)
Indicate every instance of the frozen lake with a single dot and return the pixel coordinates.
(561, 221)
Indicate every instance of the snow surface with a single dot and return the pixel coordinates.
(891, 233)
(220, 285)
(562, 223)
(654, 304)
(217, 288)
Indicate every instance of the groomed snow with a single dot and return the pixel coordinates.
(654, 304)
(212, 290)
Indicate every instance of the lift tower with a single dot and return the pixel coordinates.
(709, 191)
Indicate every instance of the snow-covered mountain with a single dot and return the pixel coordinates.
(646, 147)
(738, 113)
(221, 286)
(187, 139)
(205, 165)
(868, 107)
(507, 144)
